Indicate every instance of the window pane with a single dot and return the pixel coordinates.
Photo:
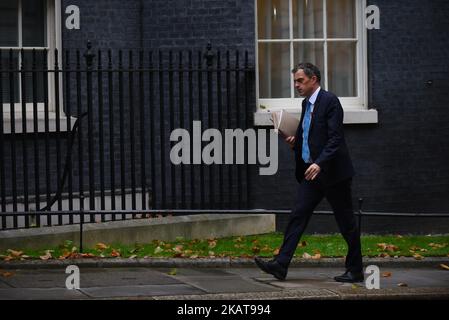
(341, 19)
(7, 76)
(9, 23)
(273, 19)
(39, 76)
(342, 71)
(34, 23)
(310, 52)
(274, 70)
(307, 19)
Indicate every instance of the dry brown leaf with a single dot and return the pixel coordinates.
(306, 256)
(386, 274)
(7, 274)
(8, 258)
(115, 253)
(302, 244)
(87, 255)
(437, 245)
(255, 249)
(101, 246)
(15, 253)
(211, 254)
(443, 266)
(384, 255)
(194, 256)
(276, 252)
(47, 255)
(418, 257)
(387, 247)
(316, 256)
(212, 244)
(178, 249)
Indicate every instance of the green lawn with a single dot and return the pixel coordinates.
(313, 246)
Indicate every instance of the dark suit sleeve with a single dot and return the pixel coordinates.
(334, 132)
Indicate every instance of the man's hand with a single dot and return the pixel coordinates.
(312, 171)
(290, 140)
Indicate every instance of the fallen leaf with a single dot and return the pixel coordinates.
(402, 285)
(7, 274)
(47, 255)
(178, 249)
(133, 256)
(158, 250)
(387, 247)
(211, 254)
(115, 253)
(302, 244)
(101, 246)
(418, 257)
(8, 258)
(173, 272)
(316, 256)
(306, 256)
(255, 249)
(276, 252)
(194, 256)
(212, 244)
(239, 239)
(384, 255)
(87, 255)
(386, 274)
(445, 267)
(15, 253)
(437, 245)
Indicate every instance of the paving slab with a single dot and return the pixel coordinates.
(40, 294)
(137, 291)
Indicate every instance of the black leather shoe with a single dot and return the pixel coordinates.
(350, 277)
(272, 267)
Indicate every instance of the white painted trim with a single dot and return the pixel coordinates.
(54, 41)
(360, 102)
(18, 120)
(351, 116)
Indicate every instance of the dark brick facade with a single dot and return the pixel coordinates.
(401, 162)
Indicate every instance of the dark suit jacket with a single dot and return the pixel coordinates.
(326, 141)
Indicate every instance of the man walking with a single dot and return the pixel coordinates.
(323, 169)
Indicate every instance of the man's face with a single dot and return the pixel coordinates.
(303, 84)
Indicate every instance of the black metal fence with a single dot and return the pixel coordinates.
(90, 130)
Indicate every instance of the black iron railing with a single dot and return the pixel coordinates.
(91, 130)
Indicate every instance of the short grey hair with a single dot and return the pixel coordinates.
(309, 69)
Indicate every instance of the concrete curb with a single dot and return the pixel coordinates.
(403, 262)
(323, 294)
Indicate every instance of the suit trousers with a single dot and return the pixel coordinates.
(309, 195)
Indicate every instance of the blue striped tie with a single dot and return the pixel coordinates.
(305, 140)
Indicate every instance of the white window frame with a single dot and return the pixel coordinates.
(54, 41)
(355, 108)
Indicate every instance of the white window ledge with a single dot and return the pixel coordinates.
(351, 116)
(40, 122)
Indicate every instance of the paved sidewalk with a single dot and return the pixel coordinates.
(218, 283)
